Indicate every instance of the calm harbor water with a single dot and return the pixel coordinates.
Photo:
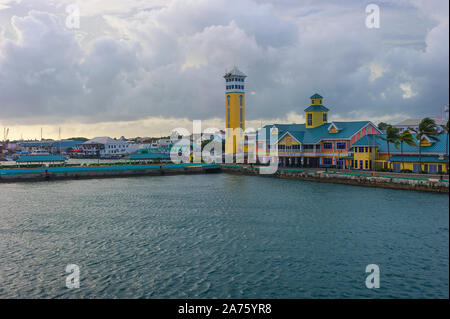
(220, 236)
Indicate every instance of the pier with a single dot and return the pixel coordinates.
(58, 173)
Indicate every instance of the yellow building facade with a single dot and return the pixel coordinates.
(316, 114)
(234, 111)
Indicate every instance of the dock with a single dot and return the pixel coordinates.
(79, 172)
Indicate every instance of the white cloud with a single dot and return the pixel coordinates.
(407, 90)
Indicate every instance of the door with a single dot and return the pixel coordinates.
(433, 169)
(397, 167)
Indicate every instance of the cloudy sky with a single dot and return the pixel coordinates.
(142, 68)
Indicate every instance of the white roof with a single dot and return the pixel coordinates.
(103, 140)
(416, 122)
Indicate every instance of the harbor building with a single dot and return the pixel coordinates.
(355, 145)
(414, 124)
(234, 111)
(372, 150)
(48, 147)
(318, 142)
(107, 147)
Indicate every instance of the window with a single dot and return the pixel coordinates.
(361, 164)
(312, 101)
(240, 99)
(281, 147)
(356, 164)
(367, 149)
(361, 149)
(228, 100)
(324, 117)
(341, 145)
(367, 164)
(309, 119)
(327, 146)
(328, 161)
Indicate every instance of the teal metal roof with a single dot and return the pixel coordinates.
(369, 140)
(148, 156)
(63, 143)
(435, 148)
(316, 96)
(415, 158)
(316, 108)
(41, 158)
(315, 135)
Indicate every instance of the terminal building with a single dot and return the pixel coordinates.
(353, 145)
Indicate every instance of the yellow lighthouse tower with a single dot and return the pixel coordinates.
(234, 111)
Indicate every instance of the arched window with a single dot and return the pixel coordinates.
(240, 99)
(228, 100)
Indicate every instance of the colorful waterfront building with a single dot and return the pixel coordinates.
(318, 142)
(234, 111)
(371, 149)
(353, 145)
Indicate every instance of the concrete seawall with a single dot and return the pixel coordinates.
(46, 174)
(394, 182)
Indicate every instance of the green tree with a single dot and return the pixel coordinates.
(383, 126)
(408, 138)
(81, 139)
(427, 127)
(445, 128)
(392, 136)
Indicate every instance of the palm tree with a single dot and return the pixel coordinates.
(427, 127)
(392, 136)
(406, 137)
(445, 128)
